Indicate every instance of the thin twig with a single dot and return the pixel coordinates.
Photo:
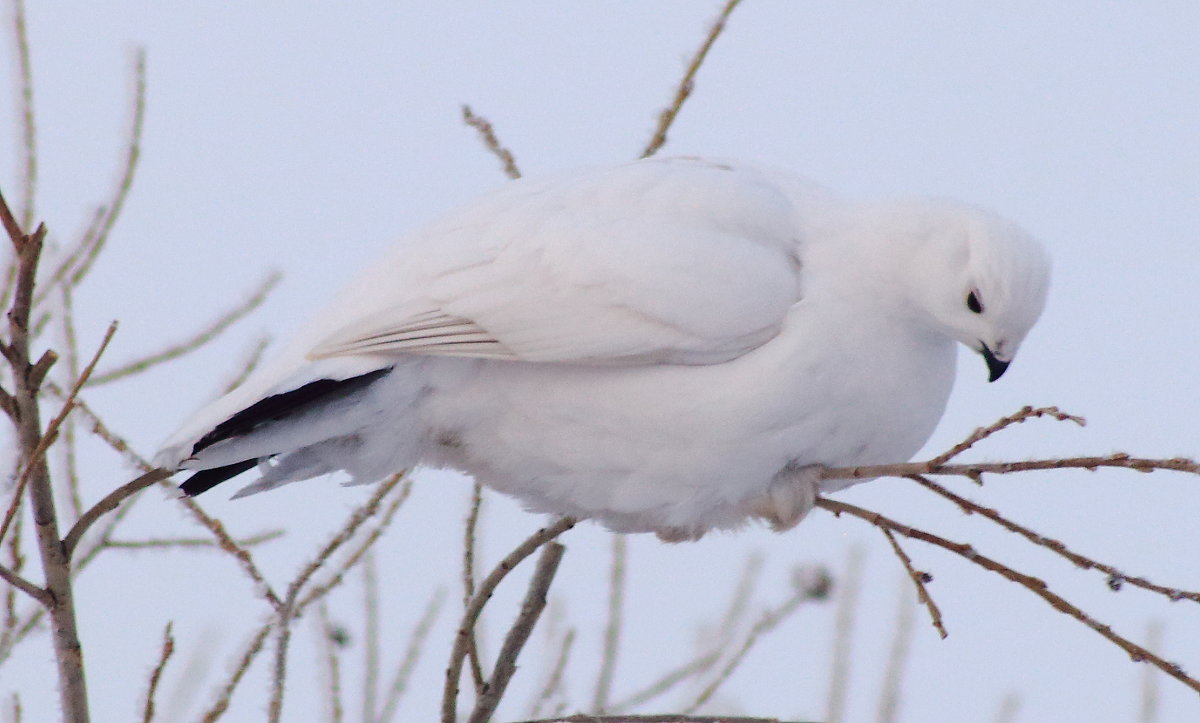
(197, 340)
(555, 678)
(518, 634)
(25, 586)
(1038, 587)
(1116, 578)
(132, 154)
(168, 648)
(1023, 414)
(893, 677)
(973, 471)
(283, 636)
(488, 135)
(329, 645)
(810, 584)
(412, 654)
(225, 694)
(28, 126)
(484, 593)
(470, 542)
(847, 608)
(919, 579)
(726, 629)
(168, 543)
(687, 83)
(612, 630)
(370, 687)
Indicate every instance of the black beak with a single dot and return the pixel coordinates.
(995, 366)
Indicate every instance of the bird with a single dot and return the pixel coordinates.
(673, 346)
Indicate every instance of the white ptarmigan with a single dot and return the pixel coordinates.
(671, 345)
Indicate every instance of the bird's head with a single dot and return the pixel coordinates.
(982, 280)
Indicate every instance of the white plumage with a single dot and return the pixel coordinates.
(671, 345)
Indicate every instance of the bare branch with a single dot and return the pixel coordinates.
(555, 678)
(25, 586)
(90, 251)
(847, 608)
(197, 340)
(919, 578)
(974, 471)
(167, 543)
(370, 687)
(893, 677)
(470, 541)
(168, 648)
(687, 83)
(486, 587)
(221, 704)
(106, 505)
(329, 644)
(518, 634)
(28, 127)
(488, 135)
(810, 584)
(1023, 414)
(612, 630)
(412, 653)
(1038, 587)
(1116, 578)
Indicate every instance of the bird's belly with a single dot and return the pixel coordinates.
(646, 447)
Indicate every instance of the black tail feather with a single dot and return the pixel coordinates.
(278, 406)
(205, 480)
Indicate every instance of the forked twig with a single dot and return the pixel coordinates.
(1023, 414)
(482, 595)
(1116, 578)
(1038, 587)
(919, 579)
(518, 634)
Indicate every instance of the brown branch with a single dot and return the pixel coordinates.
(1116, 578)
(25, 586)
(1023, 414)
(470, 540)
(973, 471)
(168, 648)
(221, 704)
(687, 83)
(518, 634)
(488, 135)
(919, 578)
(197, 340)
(486, 587)
(1038, 587)
(106, 505)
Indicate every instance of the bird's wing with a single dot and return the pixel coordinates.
(667, 261)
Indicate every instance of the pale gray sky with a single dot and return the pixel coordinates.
(307, 137)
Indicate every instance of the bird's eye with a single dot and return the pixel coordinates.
(973, 303)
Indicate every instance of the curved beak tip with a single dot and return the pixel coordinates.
(996, 367)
